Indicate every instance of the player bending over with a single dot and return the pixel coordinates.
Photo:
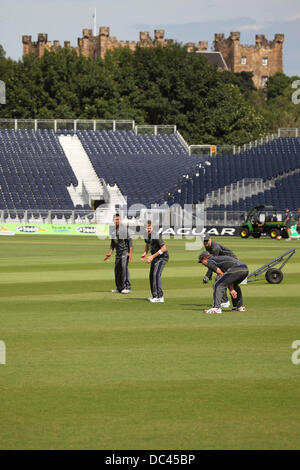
(231, 273)
(216, 249)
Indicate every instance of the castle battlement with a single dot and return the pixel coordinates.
(263, 59)
(93, 46)
(39, 47)
(260, 40)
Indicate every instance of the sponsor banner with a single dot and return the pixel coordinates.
(214, 231)
(55, 229)
(294, 232)
(7, 233)
(102, 230)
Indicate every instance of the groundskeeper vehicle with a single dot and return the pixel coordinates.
(263, 220)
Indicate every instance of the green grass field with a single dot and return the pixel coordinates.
(88, 369)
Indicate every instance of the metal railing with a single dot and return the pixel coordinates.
(182, 140)
(155, 129)
(67, 124)
(292, 132)
(212, 150)
(73, 125)
(44, 216)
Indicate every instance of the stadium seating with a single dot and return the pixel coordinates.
(285, 194)
(148, 169)
(34, 171)
(269, 161)
(127, 142)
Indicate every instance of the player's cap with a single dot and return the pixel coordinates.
(206, 238)
(202, 255)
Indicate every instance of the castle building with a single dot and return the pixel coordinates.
(93, 46)
(263, 59)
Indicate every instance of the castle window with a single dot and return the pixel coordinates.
(264, 81)
(244, 60)
(265, 61)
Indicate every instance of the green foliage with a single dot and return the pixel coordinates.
(275, 103)
(242, 80)
(159, 85)
(277, 85)
(2, 52)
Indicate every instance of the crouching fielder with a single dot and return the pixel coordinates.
(232, 272)
(158, 259)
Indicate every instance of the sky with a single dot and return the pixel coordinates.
(182, 20)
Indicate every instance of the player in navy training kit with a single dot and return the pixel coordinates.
(122, 243)
(216, 249)
(232, 272)
(158, 259)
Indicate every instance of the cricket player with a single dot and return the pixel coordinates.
(122, 243)
(289, 222)
(231, 273)
(158, 259)
(216, 249)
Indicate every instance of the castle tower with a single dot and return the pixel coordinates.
(145, 39)
(159, 36)
(202, 46)
(37, 48)
(104, 40)
(263, 60)
(27, 45)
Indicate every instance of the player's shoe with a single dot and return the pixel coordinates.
(125, 291)
(212, 310)
(225, 304)
(161, 300)
(156, 300)
(240, 309)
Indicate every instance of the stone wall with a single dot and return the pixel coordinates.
(263, 59)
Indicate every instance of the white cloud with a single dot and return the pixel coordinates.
(293, 18)
(251, 27)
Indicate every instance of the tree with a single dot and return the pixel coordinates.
(243, 80)
(277, 84)
(155, 85)
(275, 103)
(2, 52)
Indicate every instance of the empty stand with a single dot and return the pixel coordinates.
(148, 169)
(34, 171)
(273, 163)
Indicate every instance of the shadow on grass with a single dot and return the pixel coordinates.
(139, 298)
(194, 305)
